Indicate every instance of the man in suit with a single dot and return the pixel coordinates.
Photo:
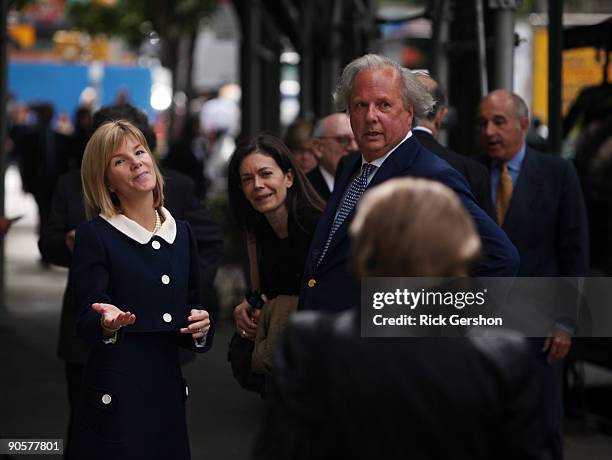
(382, 99)
(426, 131)
(67, 211)
(44, 155)
(539, 205)
(332, 140)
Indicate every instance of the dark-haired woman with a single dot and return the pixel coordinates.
(272, 200)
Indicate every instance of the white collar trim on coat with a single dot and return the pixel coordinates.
(140, 234)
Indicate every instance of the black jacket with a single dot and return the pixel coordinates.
(318, 182)
(338, 395)
(474, 172)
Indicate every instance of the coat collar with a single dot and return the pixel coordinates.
(140, 234)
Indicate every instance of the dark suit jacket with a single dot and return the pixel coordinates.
(67, 212)
(547, 223)
(318, 182)
(474, 172)
(461, 399)
(546, 219)
(330, 286)
(39, 174)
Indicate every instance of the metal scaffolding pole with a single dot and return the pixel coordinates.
(482, 50)
(504, 42)
(555, 49)
(250, 68)
(3, 125)
(441, 38)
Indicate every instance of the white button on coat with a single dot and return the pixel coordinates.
(106, 399)
(156, 245)
(165, 279)
(167, 317)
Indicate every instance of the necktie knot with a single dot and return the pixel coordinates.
(366, 170)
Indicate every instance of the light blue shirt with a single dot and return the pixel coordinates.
(514, 168)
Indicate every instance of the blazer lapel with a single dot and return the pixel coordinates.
(524, 193)
(327, 218)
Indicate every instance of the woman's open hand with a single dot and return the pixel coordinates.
(113, 318)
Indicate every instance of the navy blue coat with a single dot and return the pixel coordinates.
(330, 286)
(547, 219)
(133, 391)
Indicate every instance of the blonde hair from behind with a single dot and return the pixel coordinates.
(412, 227)
(104, 142)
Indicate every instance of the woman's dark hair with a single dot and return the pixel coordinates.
(302, 199)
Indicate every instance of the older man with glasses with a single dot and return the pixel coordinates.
(332, 140)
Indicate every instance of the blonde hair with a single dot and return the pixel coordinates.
(412, 227)
(104, 142)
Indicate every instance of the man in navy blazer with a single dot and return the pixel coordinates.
(382, 99)
(544, 215)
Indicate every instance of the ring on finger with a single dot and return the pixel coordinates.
(243, 333)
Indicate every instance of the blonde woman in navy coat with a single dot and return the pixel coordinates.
(136, 286)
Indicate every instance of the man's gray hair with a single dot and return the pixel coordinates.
(414, 93)
(520, 106)
(318, 128)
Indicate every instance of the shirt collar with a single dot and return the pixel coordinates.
(140, 234)
(328, 178)
(379, 161)
(514, 164)
(424, 129)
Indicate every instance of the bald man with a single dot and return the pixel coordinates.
(332, 140)
(540, 207)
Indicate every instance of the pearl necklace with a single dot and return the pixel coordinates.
(157, 222)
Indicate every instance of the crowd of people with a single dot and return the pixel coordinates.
(367, 191)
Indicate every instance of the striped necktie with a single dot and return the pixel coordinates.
(356, 189)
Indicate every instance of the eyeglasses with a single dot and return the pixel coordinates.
(344, 141)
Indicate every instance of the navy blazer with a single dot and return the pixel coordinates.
(67, 212)
(547, 219)
(157, 281)
(330, 286)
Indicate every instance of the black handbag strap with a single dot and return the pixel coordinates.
(253, 270)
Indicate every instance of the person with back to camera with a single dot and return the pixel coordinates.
(136, 290)
(272, 201)
(335, 394)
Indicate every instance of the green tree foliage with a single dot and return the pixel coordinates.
(125, 18)
(173, 21)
